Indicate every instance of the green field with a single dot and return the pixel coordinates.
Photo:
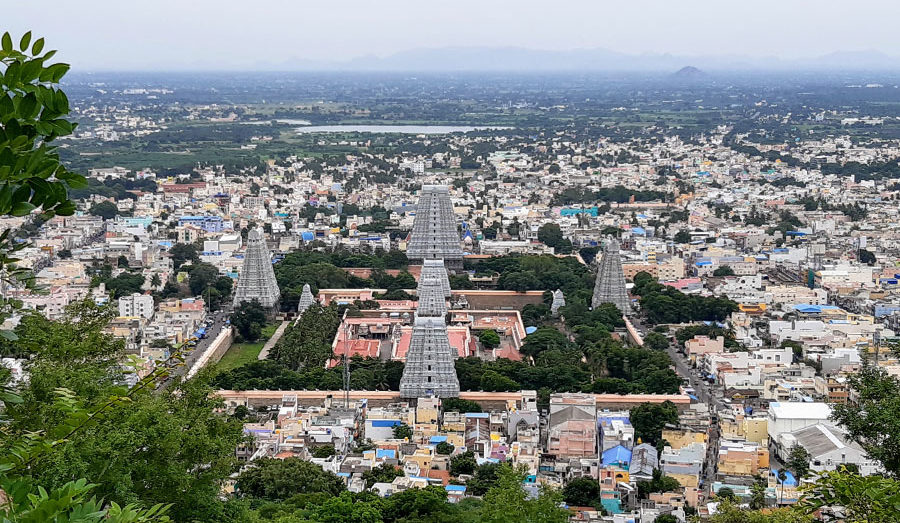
(243, 353)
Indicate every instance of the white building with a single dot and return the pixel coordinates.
(790, 416)
(137, 305)
(829, 448)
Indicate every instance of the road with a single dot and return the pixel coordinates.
(704, 392)
(217, 323)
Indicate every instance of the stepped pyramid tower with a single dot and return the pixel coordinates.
(429, 369)
(306, 299)
(610, 284)
(434, 235)
(436, 269)
(257, 278)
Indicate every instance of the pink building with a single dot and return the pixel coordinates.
(700, 345)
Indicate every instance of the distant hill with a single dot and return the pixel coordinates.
(498, 59)
(689, 72)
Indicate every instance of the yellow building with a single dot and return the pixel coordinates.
(681, 438)
(742, 459)
(754, 430)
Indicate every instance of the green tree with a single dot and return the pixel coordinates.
(384, 473)
(249, 318)
(867, 257)
(798, 461)
(164, 447)
(32, 116)
(656, 341)
(545, 338)
(324, 451)
(682, 236)
(484, 478)
(105, 209)
(582, 492)
(859, 499)
(460, 405)
(463, 463)
(657, 483)
(403, 431)
(346, 509)
(758, 493)
(201, 277)
(489, 339)
(649, 419)
(550, 235)
(308, 343)
(666, 518)
(425, 504)
(726, 494)
(873, 420)
(507, 502)
(724, 270)
(443, 448)
(125, 284)
(182, 253)
(279, 479)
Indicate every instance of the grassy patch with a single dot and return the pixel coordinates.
(240, 354)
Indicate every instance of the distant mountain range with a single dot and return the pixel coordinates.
(521, 59)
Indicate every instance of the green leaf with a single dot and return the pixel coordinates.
(38, 47)
(22, 208)
(57, 71)
(28, 107)
(6, 42)
(23, 43)
(66, 208)
(9, 335)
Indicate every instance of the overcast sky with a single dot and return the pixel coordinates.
(229, 34)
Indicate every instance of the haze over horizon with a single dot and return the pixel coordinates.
(210, 35)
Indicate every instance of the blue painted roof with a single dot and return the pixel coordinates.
(455, 488)
(617, 454)
(790, 481)
(385, 453)
(812, 309)
(385, 422)
(437, 439)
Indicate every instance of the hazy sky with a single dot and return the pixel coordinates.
(229, 34)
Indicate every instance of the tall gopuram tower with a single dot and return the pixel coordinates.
(434, 235)
(306, 299)
(610, 284)
(257, 278)
(429, 369)
(436, 269)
